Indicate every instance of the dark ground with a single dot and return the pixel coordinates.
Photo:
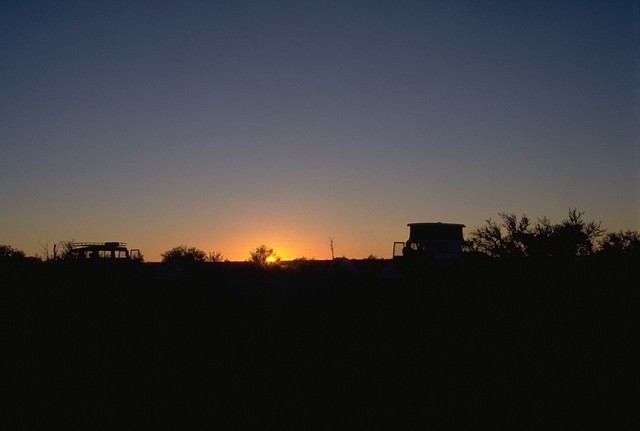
(543, 345)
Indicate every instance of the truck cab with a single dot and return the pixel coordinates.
(432, 243)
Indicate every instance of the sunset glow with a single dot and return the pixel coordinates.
(161, 125)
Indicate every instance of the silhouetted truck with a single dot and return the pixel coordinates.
(112, 251)
(431, 243)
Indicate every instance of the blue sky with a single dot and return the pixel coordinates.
(226, 125)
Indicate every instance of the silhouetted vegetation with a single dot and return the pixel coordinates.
(63, 249)
(10, 254)
(263, 256)
(510, 237)
(183, 254)
(138, 257)
(332, 246)
(621, 243)
(323, 336)
(214, 256)
(189, 255)
(490, 337)
(515, 237)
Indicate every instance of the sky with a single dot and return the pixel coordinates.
(224, 125)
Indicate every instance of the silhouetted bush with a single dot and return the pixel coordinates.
(184, 255)
(573, 236)
(214, 256)
(620, 243)
(263, 255)
(10, 254)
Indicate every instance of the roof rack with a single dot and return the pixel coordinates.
(105, 244)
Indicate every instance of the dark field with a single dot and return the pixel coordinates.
(526, 345)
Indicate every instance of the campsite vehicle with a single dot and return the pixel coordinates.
(431, 243)
(112, 251)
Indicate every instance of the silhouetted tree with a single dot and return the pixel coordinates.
(539, 242)
(332, 246)
(517, 238)
(574, 236)
(45, 250)
(214, 256)
(183, 254)
(489, 239)
(263, 255)
(10, 254)
(63, 249)
(620, 243)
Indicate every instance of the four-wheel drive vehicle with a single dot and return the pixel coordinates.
(114, 251)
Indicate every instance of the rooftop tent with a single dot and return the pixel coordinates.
(435, 232)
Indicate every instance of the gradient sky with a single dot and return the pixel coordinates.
(224, 125)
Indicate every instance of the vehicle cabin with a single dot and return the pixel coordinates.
(103, 250)
(432, 242)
